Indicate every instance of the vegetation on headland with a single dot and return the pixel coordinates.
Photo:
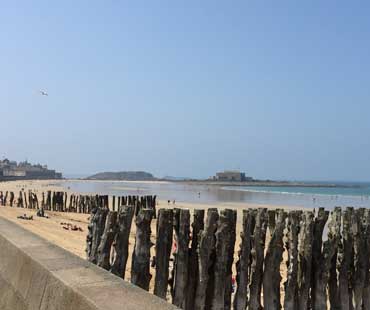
(123, 176)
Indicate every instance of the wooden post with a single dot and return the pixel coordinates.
(258, 247)
(244, 262)
(176, 225)
(74, 204)
(25, 200)
(271, 221)
(65, 202)
(30, 202)
(361, 255)
(140, 274)
(54, 201)
(104, 249)
(206, 248)
(231, 217)
(97, 228)
(36, 201)
(273, 259)
(11, 199)
(20, 200)
(182, 258)
(114, 203)
(5, 198)
(121, 242)
(48, 201)
(193, 272)
(70, 203)
(366, 291)
(163, 251)
(291, 284)
(224, 239)
(305, 239)
(318, 289)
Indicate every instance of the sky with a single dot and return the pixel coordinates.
(278, 89)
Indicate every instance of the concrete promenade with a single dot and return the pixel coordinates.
(36, 274)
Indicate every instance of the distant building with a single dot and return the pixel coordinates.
(232, 176)
(10, 170)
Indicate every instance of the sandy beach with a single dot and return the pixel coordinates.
(51, 230)
(75, 241)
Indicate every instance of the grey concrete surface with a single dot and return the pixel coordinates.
(38, 275)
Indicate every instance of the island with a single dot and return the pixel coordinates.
(123, 176)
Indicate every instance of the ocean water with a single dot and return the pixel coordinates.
(353, 194)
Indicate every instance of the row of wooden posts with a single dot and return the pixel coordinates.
(77, 203)
(327, 264)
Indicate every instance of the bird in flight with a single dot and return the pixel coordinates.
(44, 93)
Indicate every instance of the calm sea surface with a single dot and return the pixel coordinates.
(358, 195)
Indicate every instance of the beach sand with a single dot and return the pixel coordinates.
(75, 241)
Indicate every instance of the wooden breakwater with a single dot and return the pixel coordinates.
(326, 256)
(76, 203)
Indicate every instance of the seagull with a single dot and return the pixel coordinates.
(43, 93)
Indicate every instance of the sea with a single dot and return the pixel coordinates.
(353, 194)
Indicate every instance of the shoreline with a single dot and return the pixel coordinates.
(186, 193)
(207, 182)
(57, 185)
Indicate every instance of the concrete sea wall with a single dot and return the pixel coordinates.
(35, 274)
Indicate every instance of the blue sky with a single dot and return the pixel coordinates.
(279, 89)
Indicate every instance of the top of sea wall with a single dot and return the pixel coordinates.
(36, 274)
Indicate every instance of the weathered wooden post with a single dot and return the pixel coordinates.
(25, 200)
(318, 289)
(140, 274)
(154, 206)
(36, 201)
(244, 262)
(163, 251)
(366, 291)
(273, 259)
(361, 255)
(104, 249)
(65, 202)
(232, 217)
(258, 247)
(48, 201)
(11, 199)
(114, 203)
(70, 203)
(20, 200)
(29, 194)
(305, 240)
(182, 258)
(193, 272)
(97, 228)
(291, 284)
(206, 249)
(53, 202)
(271, 221)
(74, 204)
(224, 238)
(121, 242)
